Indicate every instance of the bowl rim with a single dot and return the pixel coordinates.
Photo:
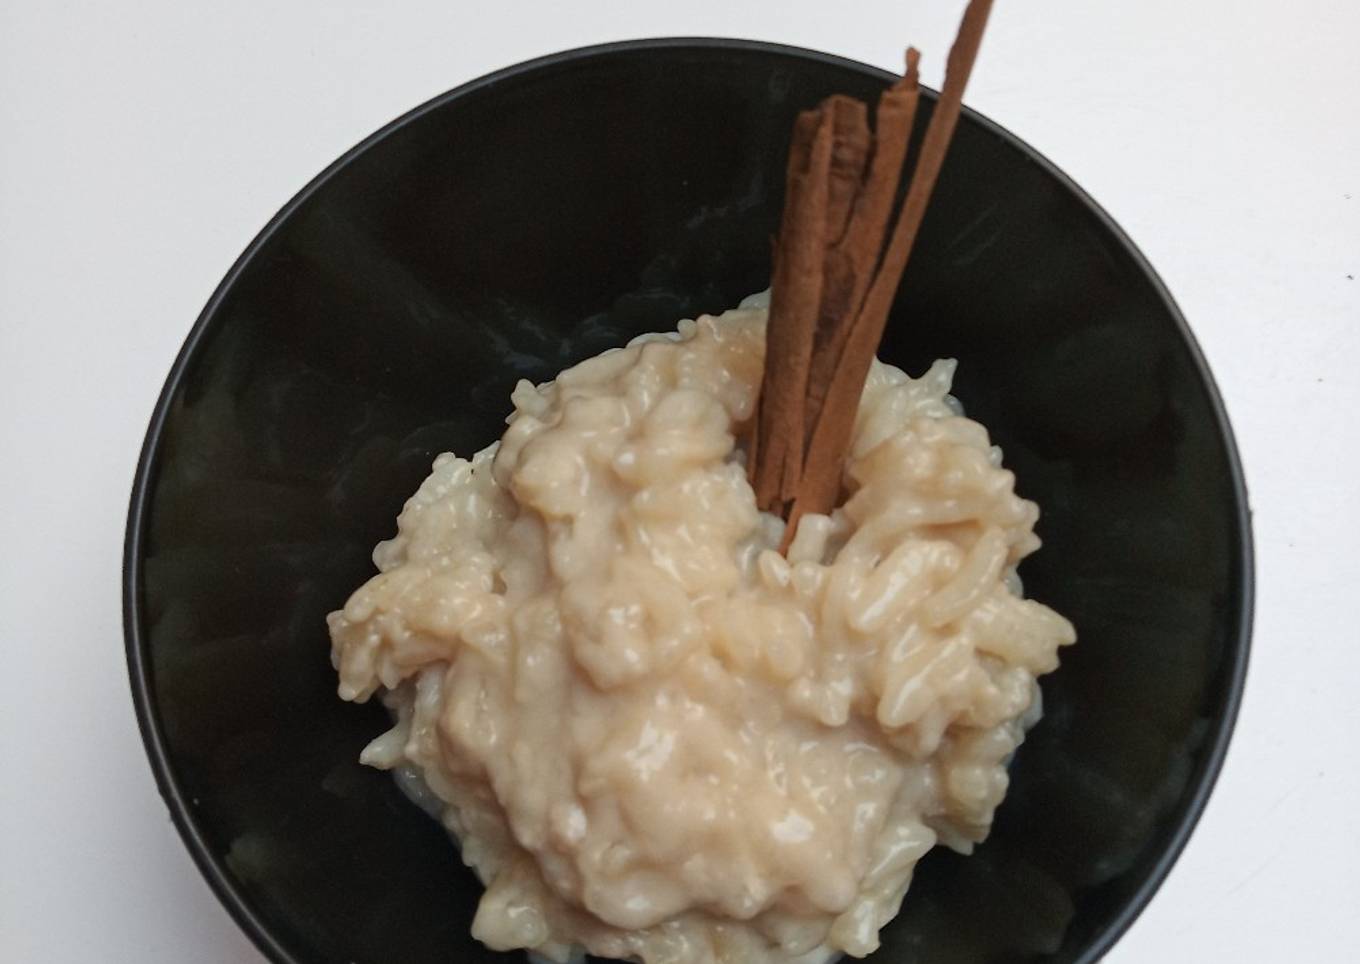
(140, 671)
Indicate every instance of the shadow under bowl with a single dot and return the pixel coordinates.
(535, 217)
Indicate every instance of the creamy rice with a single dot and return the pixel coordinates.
(653, 735)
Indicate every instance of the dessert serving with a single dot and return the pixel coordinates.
(725, 632)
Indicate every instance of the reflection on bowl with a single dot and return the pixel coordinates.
(533, 218)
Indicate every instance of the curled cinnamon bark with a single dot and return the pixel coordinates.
(834, 279)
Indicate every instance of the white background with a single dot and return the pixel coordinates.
(143, 145)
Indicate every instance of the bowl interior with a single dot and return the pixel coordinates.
(521, 224)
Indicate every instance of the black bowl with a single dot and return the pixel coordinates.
(535, 217)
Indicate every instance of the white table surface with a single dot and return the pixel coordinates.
(143, 145)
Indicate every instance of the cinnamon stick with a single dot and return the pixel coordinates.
(802, 269)
(852, 260)
(797, 285)
(830, 438)
(834, 283)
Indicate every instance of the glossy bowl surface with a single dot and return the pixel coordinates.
(535, 217)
